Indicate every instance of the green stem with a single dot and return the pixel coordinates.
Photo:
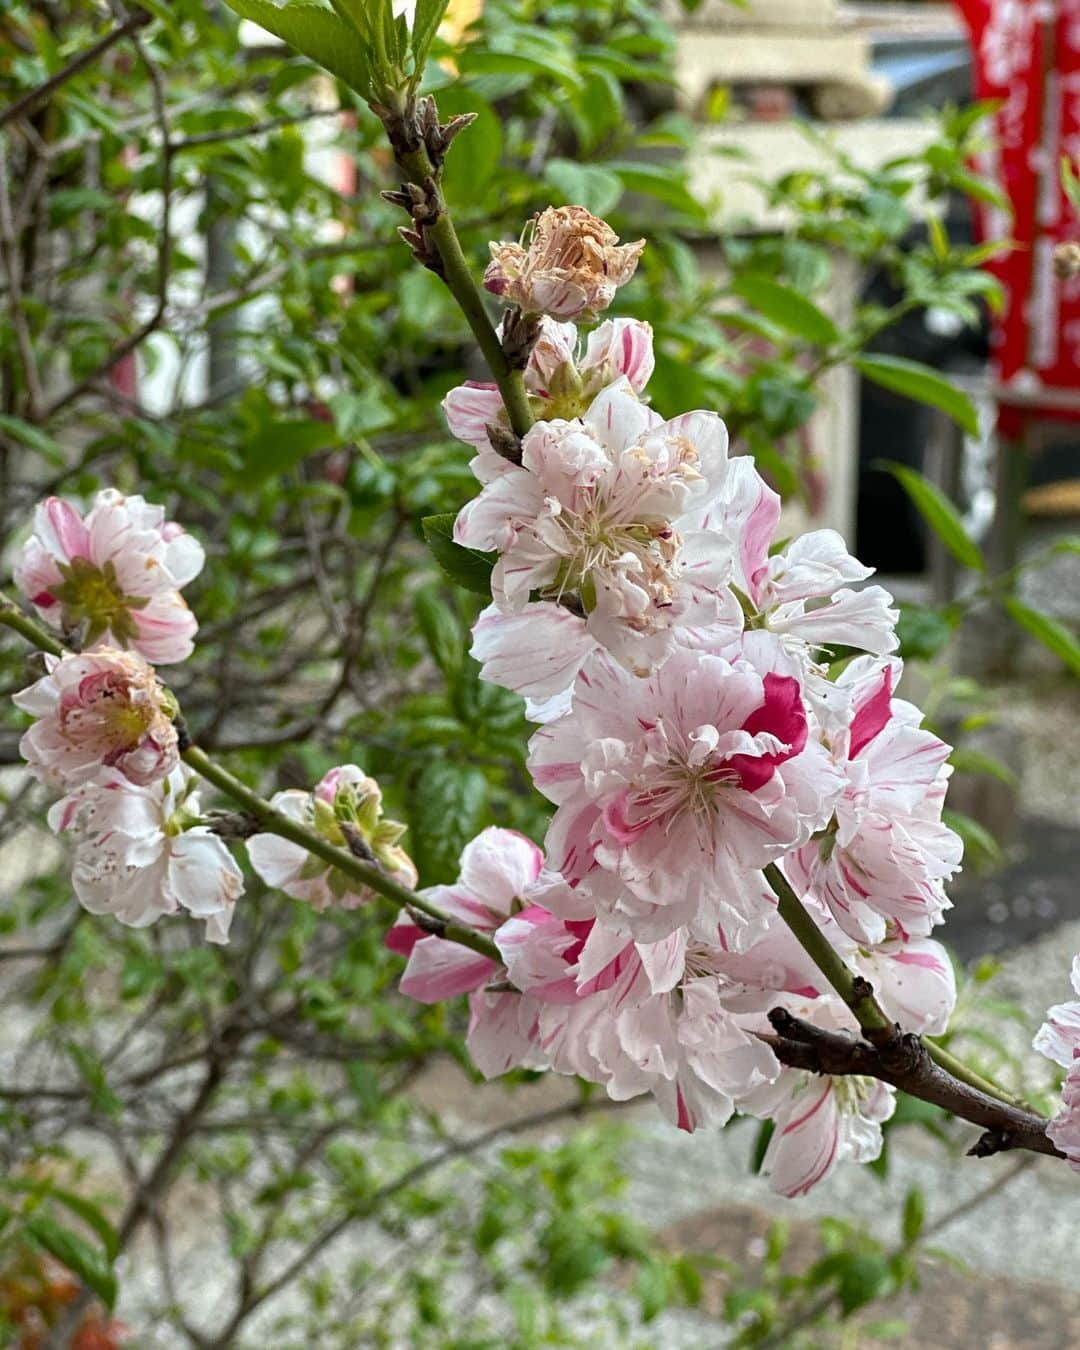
(364, 872)
(462, 285)
(367, 874)
(11, 616)
(866, 1009)
(824, 955)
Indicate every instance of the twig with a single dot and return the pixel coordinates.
(164, 254)
(24, 106)
(904, 1061)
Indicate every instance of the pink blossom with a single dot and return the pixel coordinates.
(99, 709)
(802, 592)
(593, 512)
(818, 1122)
(569, 267)
(114, 575)
(621, 1014)
(561, 382)
(672, 792)
(1059, 1040)
(345, 796)
(142, 853)
(882, 864)
(499, 869)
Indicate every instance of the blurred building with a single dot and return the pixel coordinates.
(757, 79)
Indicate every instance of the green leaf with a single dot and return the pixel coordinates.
(1051, 632)
(787, 308)
(863, 1276)
(316, 33)
(83, 1259)
(84, 1209)
(939, 513)
(468, 567)
(665, 184)
(914, 1216)
(446, 809)
(964, 759)
(1070, 183)
(278, 446)
(923, 632)
(914, 380)
(441, 631)
(429, 15)
(588, 185)
(32, 436)
(476, 153)
(981, 849)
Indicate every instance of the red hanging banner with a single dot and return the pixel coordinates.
(1027, 59)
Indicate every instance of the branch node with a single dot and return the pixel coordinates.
(504, 442)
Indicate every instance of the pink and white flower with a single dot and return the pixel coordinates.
(882, 864)
(593, 513)
(561, 382)
(344, 798)
(674, 791)
(622, 1014)
(1059, 1040)
(141, 853)
(114, 575)
(819, 1120)
(499, 870)
(97, 710)
(804, 591)
(569, 266)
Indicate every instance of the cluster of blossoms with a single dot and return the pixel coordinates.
(717, 722)
(104, 733)
(711, 704)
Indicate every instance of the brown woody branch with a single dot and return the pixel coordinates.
(903, 1060)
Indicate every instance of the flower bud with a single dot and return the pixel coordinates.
(569, 266)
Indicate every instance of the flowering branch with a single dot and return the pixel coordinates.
(858, 994)
(905, 1061)
(366, 872)
(420, 143)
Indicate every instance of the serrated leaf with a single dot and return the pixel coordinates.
(1051, 632)
(467, 567)
(315, 32)
(939, 513)
(914, 380)
(446, 809)
(83, 1259)
(787, 308)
